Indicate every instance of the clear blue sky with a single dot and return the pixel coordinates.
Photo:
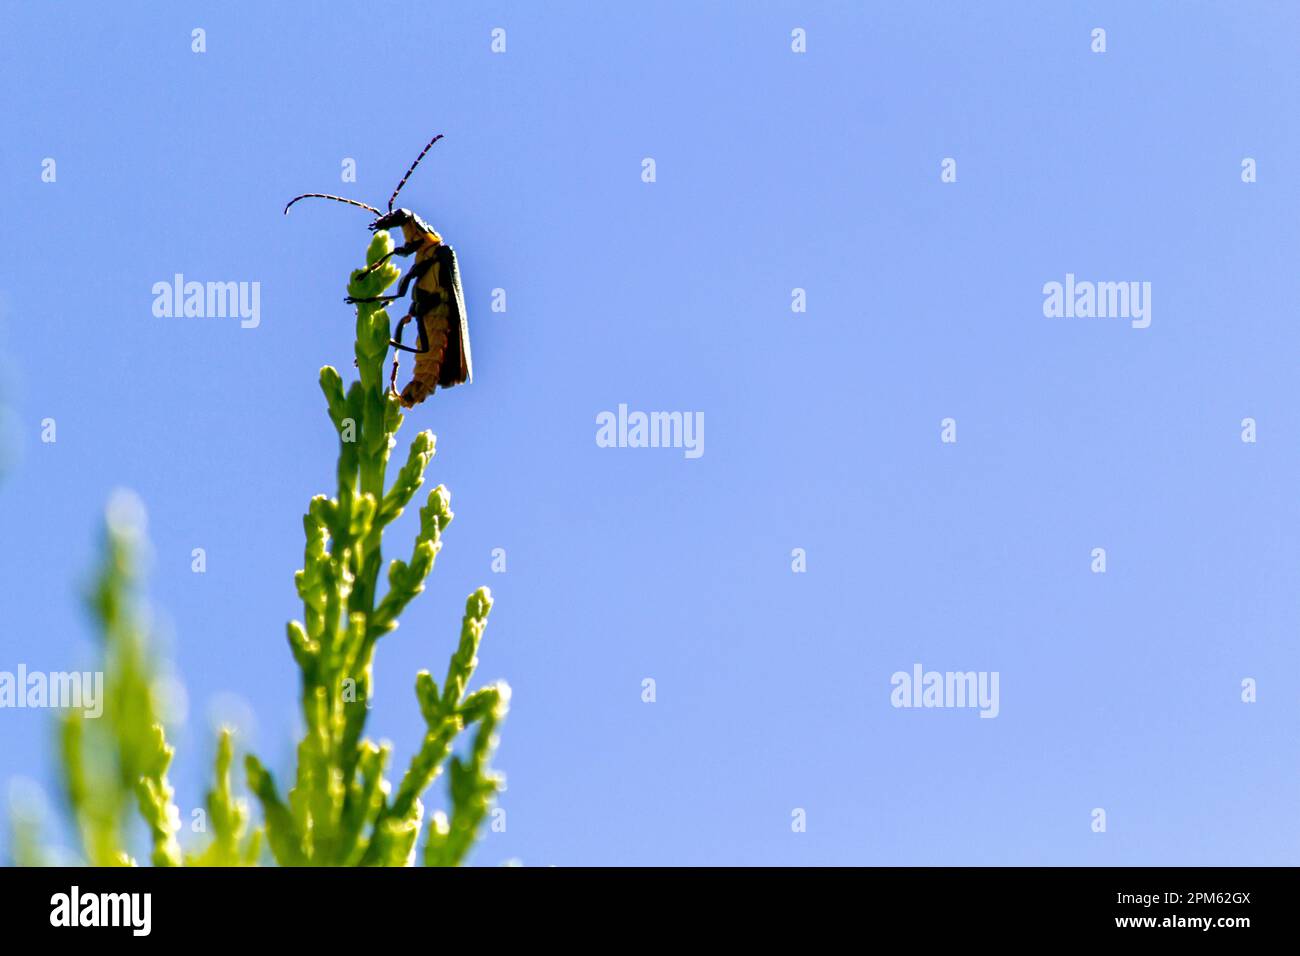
(775, 171)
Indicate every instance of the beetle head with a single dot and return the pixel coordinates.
(413, 227)
(394, 219)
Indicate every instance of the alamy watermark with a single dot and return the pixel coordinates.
(1102, 300)
(922, 688)
(76, 690)
(626, 429)
(209, 300)
(133, 911)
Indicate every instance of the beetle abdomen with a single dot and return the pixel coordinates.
(428, 364)
(438, 305)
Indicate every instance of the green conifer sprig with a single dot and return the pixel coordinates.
(340, 809)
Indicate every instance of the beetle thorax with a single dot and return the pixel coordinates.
(415, 229)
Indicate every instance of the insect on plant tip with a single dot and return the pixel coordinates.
(437, 307)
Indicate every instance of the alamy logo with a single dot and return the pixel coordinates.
(922, 688)
(651, 430)
(210, 300)
(82, 691)
(1101, 300)
(134, 910)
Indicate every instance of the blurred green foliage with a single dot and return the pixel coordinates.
(340, 809)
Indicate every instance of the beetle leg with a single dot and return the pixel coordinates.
(396, 343)
(424, 334)
(413, 275)
(405, 250)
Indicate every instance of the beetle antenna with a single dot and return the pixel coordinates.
(411, 170)
(350, 202)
